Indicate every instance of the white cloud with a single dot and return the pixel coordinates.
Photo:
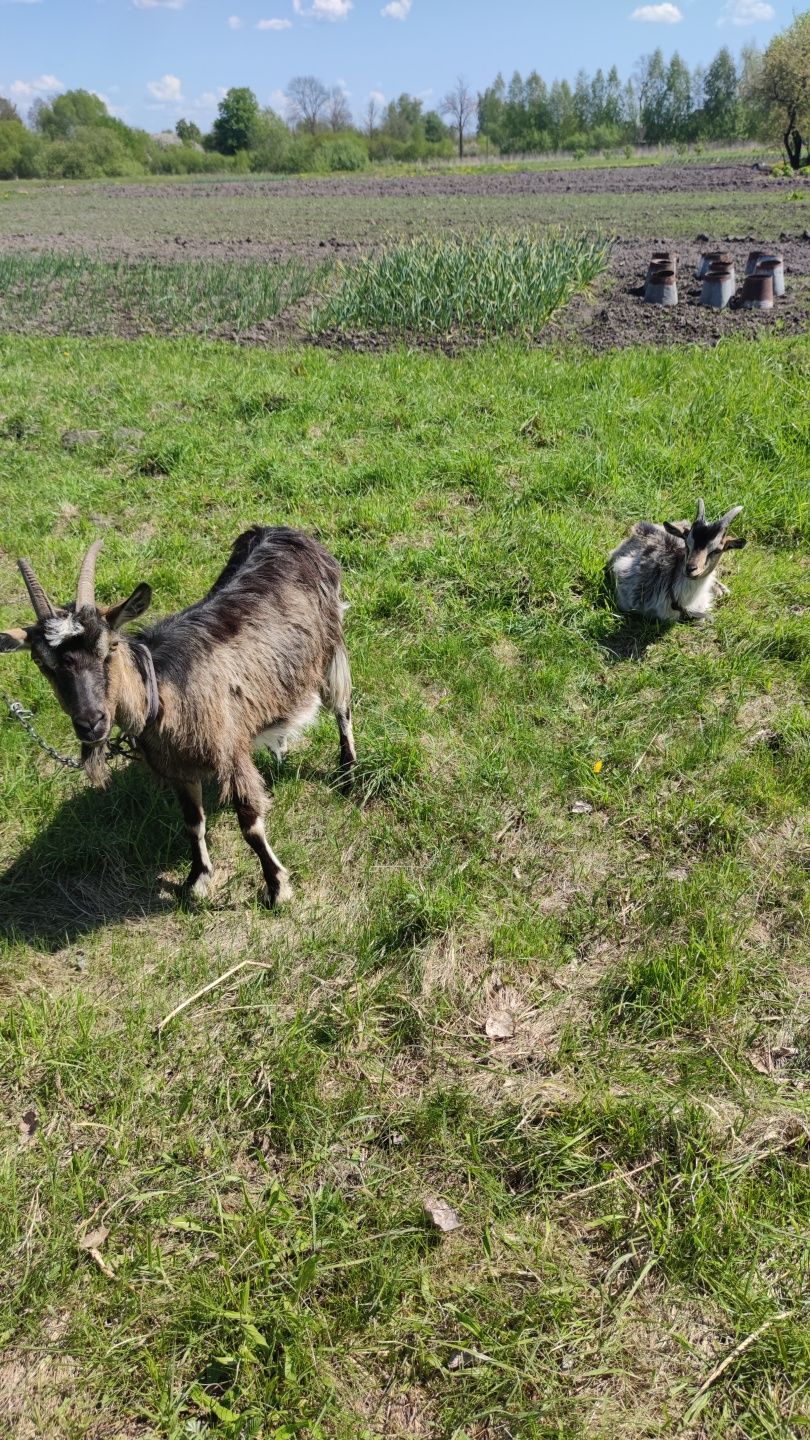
(158, 4)
(208, 99)
(274, 25)
(377, 96)
(397, 10)
(278, 101)
(658, 14)
(34, 89)
(746, 12)
(323, 9)
(234, 23)
(167, 91)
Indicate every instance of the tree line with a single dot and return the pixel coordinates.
(663, 103)
(760, 96)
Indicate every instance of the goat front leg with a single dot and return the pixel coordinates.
(199, 880)
(720, 587)
(250, 803)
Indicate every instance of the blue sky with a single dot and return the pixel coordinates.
(154, 60)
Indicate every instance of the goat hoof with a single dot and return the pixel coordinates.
(200, 887)
(196, 889)
(345, 778)
(282, 891)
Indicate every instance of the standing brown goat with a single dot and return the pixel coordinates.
(250, 664)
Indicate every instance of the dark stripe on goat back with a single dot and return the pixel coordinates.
(258, 554)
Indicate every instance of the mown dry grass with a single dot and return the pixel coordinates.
(630, 1163)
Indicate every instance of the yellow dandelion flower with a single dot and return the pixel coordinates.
(597, 767)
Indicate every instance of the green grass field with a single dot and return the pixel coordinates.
(596, 826)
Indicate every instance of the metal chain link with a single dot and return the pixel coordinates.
(123, 746)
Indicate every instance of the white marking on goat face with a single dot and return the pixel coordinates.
(59, 628)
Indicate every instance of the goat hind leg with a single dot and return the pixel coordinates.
(339, 698)
(199, 879)
(250, 801)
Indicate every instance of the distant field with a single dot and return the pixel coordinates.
(255, 258)
(272, 219)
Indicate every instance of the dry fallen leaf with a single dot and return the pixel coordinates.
(29, 1124)
(581, 807)
(500, 1025)
(678, 874)
(94, 1238)
(442, 1216)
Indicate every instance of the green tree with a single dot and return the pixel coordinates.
(272, 142)
(562, 116)
(403, 117)
(721, 97)
(613, 98)
(491, 111)
(582, 101)
(59, 119)
(652, 97)
(785, 87)
(435, 128)
(753, 112)
(234, 127)
(20, 151)
(8, 111)
(678, 106)
(188, 132)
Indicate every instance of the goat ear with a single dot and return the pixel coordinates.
(129, 609)
(14, 640)
(679, 528)
(734, 542)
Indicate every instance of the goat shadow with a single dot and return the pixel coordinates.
(100, 859)
(96, 862)
(629, 637)
(622, 637)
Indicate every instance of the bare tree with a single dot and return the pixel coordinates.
(460, 104)
(372, 111)
(308, 98)
(339, 115)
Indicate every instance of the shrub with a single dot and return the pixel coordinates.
(185, 160)
(346, 154)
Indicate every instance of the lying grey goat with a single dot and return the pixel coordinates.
(249, 664)
(669, 571)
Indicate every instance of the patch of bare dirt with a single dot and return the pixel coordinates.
(617, 315)
(40, 1400)
(610, 180)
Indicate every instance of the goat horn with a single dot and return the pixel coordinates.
(86, 587)
(42, 605)
(729, 516)
(701, 513)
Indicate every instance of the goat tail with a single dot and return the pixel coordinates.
(337, 692)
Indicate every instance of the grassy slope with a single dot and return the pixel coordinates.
(633, 1187)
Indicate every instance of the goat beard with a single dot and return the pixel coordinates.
(94, 759)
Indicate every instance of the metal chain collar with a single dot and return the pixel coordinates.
(123, 745)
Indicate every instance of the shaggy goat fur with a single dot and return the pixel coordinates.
(669, 571)
(249, 664)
